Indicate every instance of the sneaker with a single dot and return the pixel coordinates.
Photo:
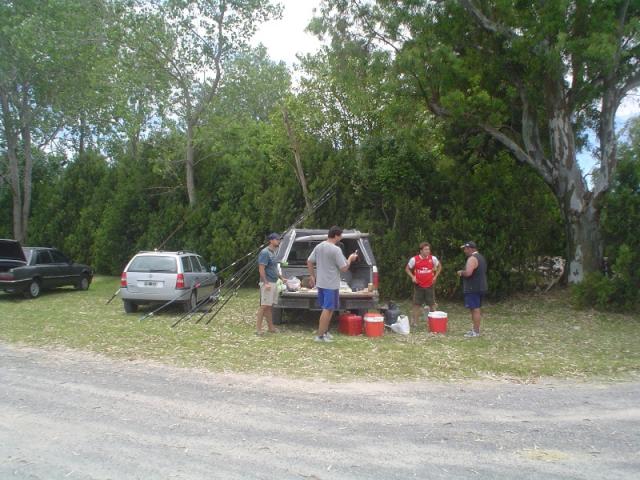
(328, 336)
(322, 338)
(275, 330)
(471, 334)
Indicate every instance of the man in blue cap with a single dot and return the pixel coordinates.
(269, 275)
(474, 282)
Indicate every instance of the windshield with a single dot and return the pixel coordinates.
(153, 263)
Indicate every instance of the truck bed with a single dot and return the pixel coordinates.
(306, 299)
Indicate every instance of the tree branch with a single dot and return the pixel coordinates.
(217, 59)
(517, 151)
(484, 21)
(631, 84)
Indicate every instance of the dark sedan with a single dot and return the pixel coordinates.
(32, 269)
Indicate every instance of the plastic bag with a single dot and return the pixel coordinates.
(401, 326)
(293, 284)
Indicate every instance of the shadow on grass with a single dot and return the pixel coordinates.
(18, 297)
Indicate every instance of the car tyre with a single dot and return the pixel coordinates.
(34, 289)
(191, 305)
(83, 283)
(130, 307)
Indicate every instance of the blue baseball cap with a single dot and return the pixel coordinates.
(273, 236)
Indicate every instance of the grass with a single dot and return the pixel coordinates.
(524, 338)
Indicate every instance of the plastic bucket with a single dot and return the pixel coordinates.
(373, 324)
(437, 322)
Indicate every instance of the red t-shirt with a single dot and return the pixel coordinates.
(423, 270)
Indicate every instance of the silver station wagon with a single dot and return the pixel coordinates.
(160, 277)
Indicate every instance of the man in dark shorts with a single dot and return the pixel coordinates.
(423, 269)
(329, 261)
(474, 282)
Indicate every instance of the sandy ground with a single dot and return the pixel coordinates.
(73, 415)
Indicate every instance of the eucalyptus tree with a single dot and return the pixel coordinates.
(53, 54)
(533, 76)
(195, 43)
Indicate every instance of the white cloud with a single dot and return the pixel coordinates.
(286, 37)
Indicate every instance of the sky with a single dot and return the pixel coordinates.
(286, 37)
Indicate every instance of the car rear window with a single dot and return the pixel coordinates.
(153, 263)
(27, 253)
(300, 251)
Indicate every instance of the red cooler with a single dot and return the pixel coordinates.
(373, 324)
(350, 324)
(437, 322)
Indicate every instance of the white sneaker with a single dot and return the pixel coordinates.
(328, 335)
(472, 334)
(322, 338)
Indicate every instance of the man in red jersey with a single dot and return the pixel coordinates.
(423, 269)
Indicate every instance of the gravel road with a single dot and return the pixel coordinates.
(74, 415)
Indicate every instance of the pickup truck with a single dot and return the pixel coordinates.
(31, 269)
(359, 285)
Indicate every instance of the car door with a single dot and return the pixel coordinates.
(63, 269)
(45, 269)
(207, 278)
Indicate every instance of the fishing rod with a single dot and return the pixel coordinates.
(215, 293)
(113, 296)
(231, 290)
(164, 305)
(237, 280)
(328, 193)
(233, 294)
(241, 277)
(220, 291)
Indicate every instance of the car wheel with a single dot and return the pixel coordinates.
(130, 307)
(83, 283)
(191, 305)
(33, 290)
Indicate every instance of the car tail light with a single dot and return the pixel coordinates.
(376, 278)
(6, 276)
(180, 281)
(123, 280)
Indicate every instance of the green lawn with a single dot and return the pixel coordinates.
(523, 339)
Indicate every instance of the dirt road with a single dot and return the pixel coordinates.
(70, 415)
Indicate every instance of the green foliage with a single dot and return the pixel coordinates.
(399, 173)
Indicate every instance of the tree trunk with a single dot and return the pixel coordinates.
(83, 128)
(584, 240)
(26, 181)
(25, 132)
(11, 138)
(191, 184)
(295, 148)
